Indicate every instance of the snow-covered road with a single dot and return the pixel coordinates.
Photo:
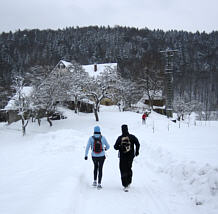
(45, 172)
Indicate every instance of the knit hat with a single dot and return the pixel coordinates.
(124, 129)
(97, 130)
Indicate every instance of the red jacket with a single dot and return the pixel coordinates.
(144, 116)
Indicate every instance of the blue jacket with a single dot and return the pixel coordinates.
(90, 143)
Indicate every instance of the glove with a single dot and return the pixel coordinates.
(86, 158)
(136, 153)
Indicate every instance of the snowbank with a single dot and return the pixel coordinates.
(200, 182)
(188, 155)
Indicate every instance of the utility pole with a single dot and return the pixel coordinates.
(169, 80)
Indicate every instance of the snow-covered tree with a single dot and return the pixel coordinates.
(79, 79)
(127, 93)
(150, 83)
(96, 92)
(36, 74)
(22, 101)
(55, 88)
(110, 82)
(179, 108)
(183, 107)
(44, 98)
(120, 90)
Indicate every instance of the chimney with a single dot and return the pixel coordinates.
(95, 67)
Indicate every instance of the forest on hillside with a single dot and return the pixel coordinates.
(195, 71)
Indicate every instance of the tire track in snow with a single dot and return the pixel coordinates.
(147, 191)
(78, 204)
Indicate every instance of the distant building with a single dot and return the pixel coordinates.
(157, 100)
(93, 70)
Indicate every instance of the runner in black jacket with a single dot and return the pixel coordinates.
(126, 155)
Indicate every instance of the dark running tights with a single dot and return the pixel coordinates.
(126, 171)
(98, 166)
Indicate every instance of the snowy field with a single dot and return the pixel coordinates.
(45, 171)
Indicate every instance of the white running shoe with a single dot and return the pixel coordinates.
(99, 186)
(94, 184)
(126, 189)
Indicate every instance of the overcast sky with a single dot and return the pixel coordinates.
(188, 15)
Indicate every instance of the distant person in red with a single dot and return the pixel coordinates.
(144, 116)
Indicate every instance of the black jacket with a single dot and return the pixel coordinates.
(134, 146)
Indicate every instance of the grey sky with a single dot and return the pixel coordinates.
(189, 15)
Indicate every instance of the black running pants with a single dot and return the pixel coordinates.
(98, 166)
(126, 171)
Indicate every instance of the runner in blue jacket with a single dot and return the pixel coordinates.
(99, 145)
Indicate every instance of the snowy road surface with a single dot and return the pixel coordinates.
(45, 172)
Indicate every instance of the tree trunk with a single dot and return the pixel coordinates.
(76, 105)
(24, 126)
(49, 121)
(96, 114)
(98, 106)
(39, 121)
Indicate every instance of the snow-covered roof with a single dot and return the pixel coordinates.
(65, 63)
(101, 68)
(26, 92)
(90, 69)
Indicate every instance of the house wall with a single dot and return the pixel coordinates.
(3, 116)
(160, 111)
(107, 102)
(82, 106)
(156, 102)
(13, 116)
